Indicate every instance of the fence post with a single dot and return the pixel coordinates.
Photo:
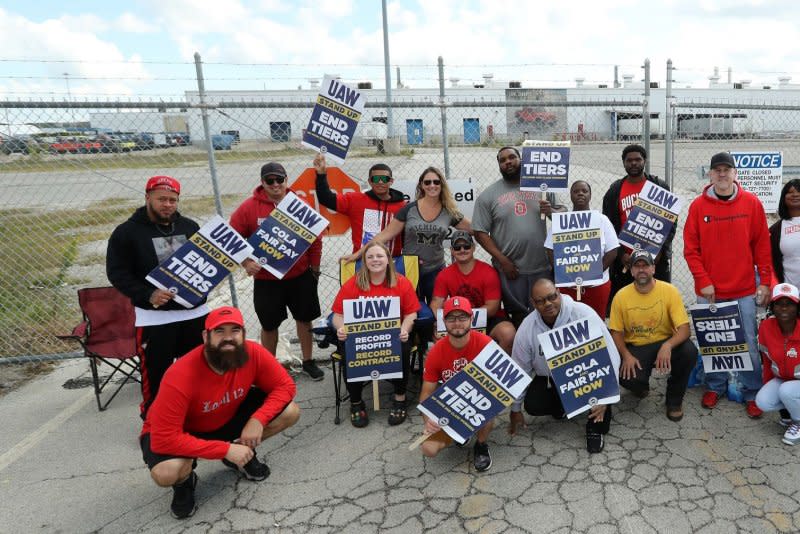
(388, 76)
(668, 127)
(646, 115)
(212, 160)
(443, 108)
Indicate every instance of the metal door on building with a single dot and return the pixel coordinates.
(414, 131)
(472, 131)
(280, 131)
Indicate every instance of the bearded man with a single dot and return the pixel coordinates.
(218, 402)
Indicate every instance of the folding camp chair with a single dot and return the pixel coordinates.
(325, 335)
(108, 335)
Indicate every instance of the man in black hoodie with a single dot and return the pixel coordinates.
(165, 330)
(617, 204)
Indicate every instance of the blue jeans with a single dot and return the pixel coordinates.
(751, 380)
(426, 283)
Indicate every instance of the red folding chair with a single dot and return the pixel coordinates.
(108, 335)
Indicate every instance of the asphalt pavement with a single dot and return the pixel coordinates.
(65, 467)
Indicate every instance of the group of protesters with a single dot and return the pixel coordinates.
(210, 393)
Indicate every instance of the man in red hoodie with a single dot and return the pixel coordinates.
(725, 240)
(218, 402)
(297, 291)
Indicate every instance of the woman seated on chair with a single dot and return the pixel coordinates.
(425, 222)
(377, 278)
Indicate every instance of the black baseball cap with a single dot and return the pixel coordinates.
(273, 169)
(722, 158)
(642, 255)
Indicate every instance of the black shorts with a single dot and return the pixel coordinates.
(272, 297)
(491, 322)
(230, 431)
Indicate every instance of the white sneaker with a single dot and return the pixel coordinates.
(792, 435)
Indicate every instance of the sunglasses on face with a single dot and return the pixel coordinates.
(277, 179)
(432, 182)
(459, 248)
(549, 298)
(380, 178)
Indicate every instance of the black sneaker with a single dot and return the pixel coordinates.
(183, 504)
(594, 442)
(310, 368)
(482, 460)
(253, 470)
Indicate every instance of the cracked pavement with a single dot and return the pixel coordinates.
(66, 467)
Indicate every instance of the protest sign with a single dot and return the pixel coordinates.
(372, 348)
(477, 393)
(479, 320)
(286, 234)
(720, 336)
(544, 166)
(201, 263)
(582, 359)
(577, 248)
(334, 119)
(761, 173)
(651, 219)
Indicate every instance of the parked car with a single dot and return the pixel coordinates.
(75, 145)
(19, 144)
(222, 141)
(178, 138)
(143, 141)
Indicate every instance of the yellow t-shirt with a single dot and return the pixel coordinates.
(647, 318)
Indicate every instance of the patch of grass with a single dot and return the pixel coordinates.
(37, 298)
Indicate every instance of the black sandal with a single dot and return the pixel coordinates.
(358, 415)
(398, 413)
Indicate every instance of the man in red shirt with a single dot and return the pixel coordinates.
(617, 204)
(447, 357)
(297, 290)
(369, 212)
(218, 402)
(479, 283)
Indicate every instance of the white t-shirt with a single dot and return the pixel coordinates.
(608, 241)
(790, 248)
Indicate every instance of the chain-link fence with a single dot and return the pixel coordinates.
(700, 128)
(67, 186)
(66, 189)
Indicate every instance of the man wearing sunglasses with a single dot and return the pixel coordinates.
(297, 291)
(552, 310)
(479, 282)
(369, 211)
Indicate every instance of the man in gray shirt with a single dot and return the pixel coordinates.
(508, 224)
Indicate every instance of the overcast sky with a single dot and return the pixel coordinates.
(145, 48)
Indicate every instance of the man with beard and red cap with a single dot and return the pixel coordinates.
(508, 224)
(218, 402)
(164, 328)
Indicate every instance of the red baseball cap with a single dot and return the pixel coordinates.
(163, 182)
(224, 315)
(457, 303)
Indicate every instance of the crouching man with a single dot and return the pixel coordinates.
(446, 358)
(218, 402)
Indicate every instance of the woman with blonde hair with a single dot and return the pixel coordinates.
(377, 278)
(425, 222)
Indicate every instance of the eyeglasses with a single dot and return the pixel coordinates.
(432, 182)
(270, 181)
(459, 318)
(549, 298)
(459, 248)
(380, 178)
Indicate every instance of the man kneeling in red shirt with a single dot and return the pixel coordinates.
(218, 402)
